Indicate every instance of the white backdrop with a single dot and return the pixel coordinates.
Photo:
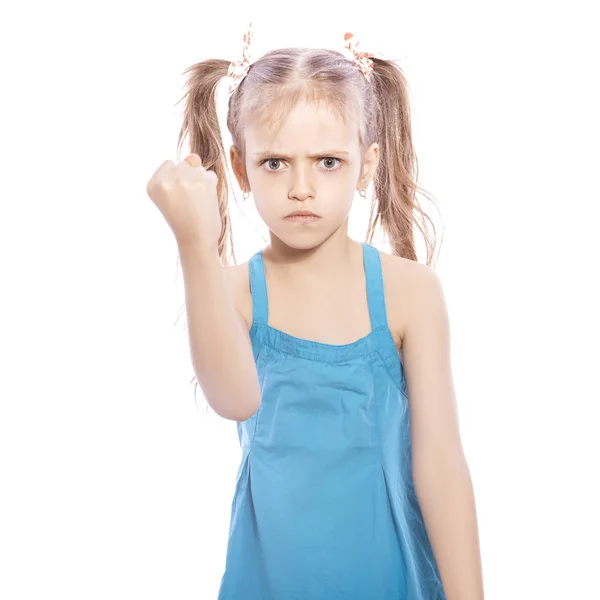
(114, 482)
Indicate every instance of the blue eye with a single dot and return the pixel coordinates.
(278, 160)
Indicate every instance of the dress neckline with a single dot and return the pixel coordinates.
(312, 349)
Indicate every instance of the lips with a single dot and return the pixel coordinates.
(301, 213)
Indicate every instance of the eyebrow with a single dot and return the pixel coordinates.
(265, 153)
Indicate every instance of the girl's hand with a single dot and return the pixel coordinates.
(186, 195)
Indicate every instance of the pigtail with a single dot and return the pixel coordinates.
(201, 123)
(395, 181)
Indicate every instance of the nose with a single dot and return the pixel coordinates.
(301, 187)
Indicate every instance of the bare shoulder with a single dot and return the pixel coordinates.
(407, 285)
(238, 281)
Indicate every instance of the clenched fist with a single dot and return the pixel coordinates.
(186, 195)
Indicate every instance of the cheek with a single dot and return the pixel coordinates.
(269, 209)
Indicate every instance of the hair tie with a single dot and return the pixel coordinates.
(239, 68)
(362, 59)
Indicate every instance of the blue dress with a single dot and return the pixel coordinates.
(324, 505)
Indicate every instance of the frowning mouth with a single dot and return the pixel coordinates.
(302, 215)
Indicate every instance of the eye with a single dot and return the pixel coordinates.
(271, 160)
(325, 158)
(330, 158)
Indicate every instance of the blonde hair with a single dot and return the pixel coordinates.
(272, 87)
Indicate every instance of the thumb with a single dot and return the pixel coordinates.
(193, 160)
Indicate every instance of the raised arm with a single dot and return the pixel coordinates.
(220, 345)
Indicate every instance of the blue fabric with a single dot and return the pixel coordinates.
(324, 505)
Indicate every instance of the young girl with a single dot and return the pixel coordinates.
(332, 357)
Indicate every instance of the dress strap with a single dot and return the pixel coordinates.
(258, 289)
(375, 295)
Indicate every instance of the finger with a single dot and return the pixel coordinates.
(193, 160)
(211, 179)
(165, 166)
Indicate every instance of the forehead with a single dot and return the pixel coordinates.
(306, 128)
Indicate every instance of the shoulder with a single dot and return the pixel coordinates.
(237, 278)
(411, 289)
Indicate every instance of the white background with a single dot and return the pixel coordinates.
(114, 482)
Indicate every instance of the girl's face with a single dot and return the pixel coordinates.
(313, 162)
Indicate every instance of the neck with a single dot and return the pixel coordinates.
(337, 254)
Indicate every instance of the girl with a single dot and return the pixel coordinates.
(332, 357)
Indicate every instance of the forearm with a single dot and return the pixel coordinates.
(220, 346)
(446, 497)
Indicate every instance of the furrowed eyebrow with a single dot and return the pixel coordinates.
(268, 153)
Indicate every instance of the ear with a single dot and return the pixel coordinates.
(369, 165)
(239, 169)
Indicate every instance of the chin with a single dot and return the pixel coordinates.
(300, 240)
